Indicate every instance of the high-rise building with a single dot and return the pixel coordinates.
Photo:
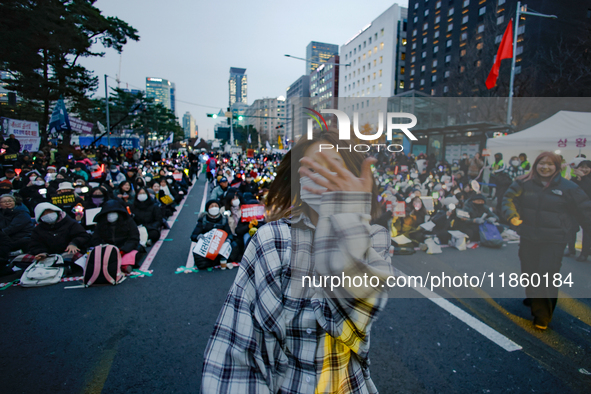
(375, 59)
(324, 88)
(297, 98)
(318, 53)
(161, 90)
(267, 116)
(237, 86)
(189, 125)
(452, 45)
(173, 98)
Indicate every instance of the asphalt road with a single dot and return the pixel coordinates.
(148, 334)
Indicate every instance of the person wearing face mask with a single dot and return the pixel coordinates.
(55, 233)
(545, 207)
(582, 177)
(115, 176)
(479, 213)
(415, 216)
(504, 179)
(148, 214)
(249, 186)
(30, 193)
(15, 224)
(211, 219)
(115, 226)
(219, 191)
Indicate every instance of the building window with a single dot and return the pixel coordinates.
(434, 63)
(402, 70)
(412, 85)
(450, 27)
(381, 59)
(448, 59)
(380, 86)
(403, 56)
(445, 89)
(517, 69)
(482, 10)
(374, 62)
(423, 54)
(478, 63)
(382, 32)
(425, 40)
(519, 50)
(381, 46)
(479, 45)
(464, 19)
(462, 69)
(416, 19)
(401, 84)
(446, 74)
(466, 3)
(521, 29)
(426, 12)
(414, 45)
(412, 72)
(480, 28)
(464, 36)
(436, 35)
(416, 5)
(435, 49)
(500, 19)
(450, 12)
(374, 75)
(437, 19)
(380, 74)
(498, 38)
(462, 53)
(425, 26)
(448, 44)
(501, 2)
(413, 59)
(423, 68)
(434, 78)
(422, 82)
(438, 5)
(414, 32)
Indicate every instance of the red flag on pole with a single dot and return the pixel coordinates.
(505, 52)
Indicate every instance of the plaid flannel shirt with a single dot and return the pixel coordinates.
(275, 336)
(514, 172)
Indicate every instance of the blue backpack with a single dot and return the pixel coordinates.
(490, 236)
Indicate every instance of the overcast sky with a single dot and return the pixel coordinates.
(194, 44)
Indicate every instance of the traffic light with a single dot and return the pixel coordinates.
(240, 117)
(212, 115)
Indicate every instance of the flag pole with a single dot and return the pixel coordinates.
(512, 80)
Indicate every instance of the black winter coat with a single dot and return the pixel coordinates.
(16, 224)
(585, 184)
(205, 224)
(550, 213)
(123, 233)
(147, 213)
(55, 238)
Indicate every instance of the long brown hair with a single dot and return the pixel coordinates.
(533, 174)
(282, 203)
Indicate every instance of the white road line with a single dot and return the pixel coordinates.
(150, 257)
(190, 260)
(470, 320)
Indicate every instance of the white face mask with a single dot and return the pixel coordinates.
(142, 197)
(236, 203)
(169, 180)
(78, 190)
(50, 218)
(515, 163)
(213, 211)
(39, 183)
(112, 217)
(312, 199)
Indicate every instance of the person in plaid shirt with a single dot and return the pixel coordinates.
(277, 332)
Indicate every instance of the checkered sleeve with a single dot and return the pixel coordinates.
(245, 353)
(347, 246)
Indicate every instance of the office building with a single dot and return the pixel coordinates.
(324, 88)
(173, 98)
(375, 67)
(318, 53)
(160, 90)
(189, 125)
(452, 45)
(267, 116)
(237, 86)
(297, 98)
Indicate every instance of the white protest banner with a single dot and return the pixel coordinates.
(80, 126)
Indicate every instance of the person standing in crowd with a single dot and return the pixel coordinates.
(543, 205)
(582, 177)
(12, 145)
(211, 167)
(504, 180)
(275, 334)
(474, 166)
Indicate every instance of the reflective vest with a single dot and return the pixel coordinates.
(498, 165)
(525, 165)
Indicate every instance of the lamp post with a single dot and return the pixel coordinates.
(108, 120)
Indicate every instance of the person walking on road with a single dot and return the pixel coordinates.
(276, 331)
(543, 205)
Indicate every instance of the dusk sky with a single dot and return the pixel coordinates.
(194, 44)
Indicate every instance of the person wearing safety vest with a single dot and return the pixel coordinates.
(524, 163)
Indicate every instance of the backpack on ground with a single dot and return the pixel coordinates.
(103, 266)
(490, 236)
(48, 271)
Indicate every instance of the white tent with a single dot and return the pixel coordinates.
(564, 133)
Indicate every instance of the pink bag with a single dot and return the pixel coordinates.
(129, 258)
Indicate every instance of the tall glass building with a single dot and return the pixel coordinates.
(318, 53)
(237, 86)
(162, 91)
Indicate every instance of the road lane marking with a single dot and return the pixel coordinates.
(152, 255)
(468, 319)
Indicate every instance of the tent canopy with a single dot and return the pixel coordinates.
(566, 133)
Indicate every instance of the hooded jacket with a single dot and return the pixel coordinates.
(147, 213)
(122, 233)
(477, 210)
(55, 238)
(548, 213)
(15, 223)
(206, 223)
